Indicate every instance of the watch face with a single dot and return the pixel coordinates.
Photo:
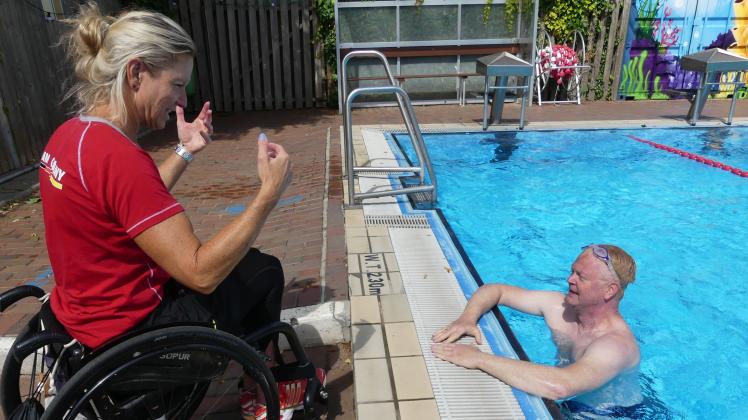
(183, 153)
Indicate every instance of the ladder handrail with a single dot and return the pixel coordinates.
(411, 124)
(363, 54)
(415, 134)
(388, 72)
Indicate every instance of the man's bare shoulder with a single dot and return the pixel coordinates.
(534, 302)
(618, 341)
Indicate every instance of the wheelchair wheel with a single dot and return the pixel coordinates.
(15, 388)
(172, 373)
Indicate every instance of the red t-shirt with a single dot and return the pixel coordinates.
(100, 190)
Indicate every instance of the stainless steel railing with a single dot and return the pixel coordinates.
(411, 124)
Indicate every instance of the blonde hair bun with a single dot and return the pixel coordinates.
(87, 38)
(101, 46)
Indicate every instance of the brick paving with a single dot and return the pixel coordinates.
(216, 187)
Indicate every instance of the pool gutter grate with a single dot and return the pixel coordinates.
(398, 221)
(436, 299)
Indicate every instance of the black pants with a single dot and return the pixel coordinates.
(247, 299)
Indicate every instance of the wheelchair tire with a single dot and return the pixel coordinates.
(10, 391)
(90, 389)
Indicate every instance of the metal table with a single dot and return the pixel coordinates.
(709, 63)
(501, 66)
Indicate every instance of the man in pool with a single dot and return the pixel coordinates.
(596, 348)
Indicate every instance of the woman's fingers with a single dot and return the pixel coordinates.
(180, 114)
(205, 111)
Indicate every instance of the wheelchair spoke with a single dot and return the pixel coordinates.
(192, 373)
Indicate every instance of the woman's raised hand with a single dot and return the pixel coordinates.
(273, 167)
(194, 136)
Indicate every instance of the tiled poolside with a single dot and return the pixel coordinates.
(320, 244)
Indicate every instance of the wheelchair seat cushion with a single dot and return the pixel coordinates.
(50, 321)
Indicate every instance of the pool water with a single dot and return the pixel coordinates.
(522, 204)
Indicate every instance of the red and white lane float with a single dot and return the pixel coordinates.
(551, 58)
(692, 156)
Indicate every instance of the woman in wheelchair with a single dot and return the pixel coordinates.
(124, 254)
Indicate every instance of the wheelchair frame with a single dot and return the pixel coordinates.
(111, 362)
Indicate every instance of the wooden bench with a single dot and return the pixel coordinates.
(401, 78)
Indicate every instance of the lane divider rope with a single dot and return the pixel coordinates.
(692, 156)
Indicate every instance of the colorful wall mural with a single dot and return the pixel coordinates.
(662, 31)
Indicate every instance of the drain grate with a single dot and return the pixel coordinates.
(399, 221)
(435, 300)
(384, 174)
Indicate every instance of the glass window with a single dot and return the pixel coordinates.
(475, 84)
(430, 87)
(428, 23)
(528, 13)
(496, 27)
(362, 24)
(369, 72)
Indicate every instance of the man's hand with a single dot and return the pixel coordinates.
(195, 136)
(460, 354)
(457, 329)
(273, 167)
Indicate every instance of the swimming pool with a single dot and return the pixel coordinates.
(522, 204)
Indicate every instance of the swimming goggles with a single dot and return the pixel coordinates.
(602, 254)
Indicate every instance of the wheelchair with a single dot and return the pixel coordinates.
(174, 371)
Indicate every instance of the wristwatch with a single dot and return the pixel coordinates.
(183, 153)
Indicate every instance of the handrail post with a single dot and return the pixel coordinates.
(415, 134)
(349, 147)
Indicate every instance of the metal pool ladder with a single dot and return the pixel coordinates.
(411, 124)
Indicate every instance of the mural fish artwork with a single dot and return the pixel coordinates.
(665, 30)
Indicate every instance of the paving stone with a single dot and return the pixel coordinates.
(381, 244)
(402, 339)
(411, 378)
(372, 262)
(372, 380)
(391, 261)
(355, 232)
(354, 218)
(358, 245)
(419, 410)
(395, 308)
(378, 231)
(368, 341)
(365, 310)
(353, 265)
(377, 411)
(396, 283)
(354, 284)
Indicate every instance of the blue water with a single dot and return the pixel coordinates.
(522, 204)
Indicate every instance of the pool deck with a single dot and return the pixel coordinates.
(316, 239)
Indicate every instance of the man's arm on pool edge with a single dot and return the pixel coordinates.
(488, 296)
(604, 359)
